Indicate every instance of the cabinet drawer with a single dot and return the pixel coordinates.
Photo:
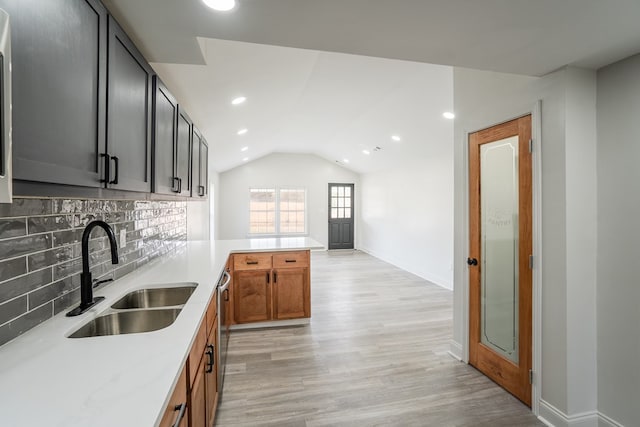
(256, 261)
(291, 259)
(197, 350)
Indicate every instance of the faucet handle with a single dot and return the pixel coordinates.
(97, 282)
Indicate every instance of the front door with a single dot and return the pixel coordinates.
(341, 216)
(500, 279)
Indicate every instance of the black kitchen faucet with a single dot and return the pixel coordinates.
(86, 282)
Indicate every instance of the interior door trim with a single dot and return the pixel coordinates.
(460, 350)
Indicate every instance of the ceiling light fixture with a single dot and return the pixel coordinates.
(396, 138)
(220, 5)
(367, 152)
(239, 100)
(245, 159)
(448, 115)
(244, 148)
(345, 160)
(243, 131)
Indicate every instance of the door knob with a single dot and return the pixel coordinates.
(472, 261)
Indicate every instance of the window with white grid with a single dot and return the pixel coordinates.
(277, 211)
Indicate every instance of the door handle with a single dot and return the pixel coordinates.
(472, 261)
(210, 363)
(176, 185)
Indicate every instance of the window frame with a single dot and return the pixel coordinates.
(277, 232)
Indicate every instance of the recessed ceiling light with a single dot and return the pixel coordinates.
(220, 5)
(345, 160)
(243, 131)
(244, 148)
(367, 152)
(245, 159)
(238, 100)
(448, 115)
(396, 138)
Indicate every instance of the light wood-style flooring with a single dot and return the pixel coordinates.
(375, 354)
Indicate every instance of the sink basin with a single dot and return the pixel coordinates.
(155, 297)
(128, 322)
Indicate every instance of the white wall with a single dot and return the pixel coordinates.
(406, 217)
(202, 216)
(482, 99)
(618, 303)
(293, 170)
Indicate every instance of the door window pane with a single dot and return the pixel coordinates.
(499, 246)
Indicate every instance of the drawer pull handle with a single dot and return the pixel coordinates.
(182, 407)
(252, 262)
(289, 260)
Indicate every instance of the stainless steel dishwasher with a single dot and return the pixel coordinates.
(223, 324)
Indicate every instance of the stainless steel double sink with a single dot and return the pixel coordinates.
(141, 310)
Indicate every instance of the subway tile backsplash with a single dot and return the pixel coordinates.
(40, 255)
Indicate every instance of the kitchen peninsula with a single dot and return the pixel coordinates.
(47, 378)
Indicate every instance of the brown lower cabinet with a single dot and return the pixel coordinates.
(203, 364)
(271, 286)
(176, 412)
(197, 388)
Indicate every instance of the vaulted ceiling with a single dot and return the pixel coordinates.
(360, 70)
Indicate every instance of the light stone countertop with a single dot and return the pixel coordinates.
(120, 380)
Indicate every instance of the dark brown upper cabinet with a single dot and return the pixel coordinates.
(172, 142)
(59, 87)
(199, 165)
(127, 160)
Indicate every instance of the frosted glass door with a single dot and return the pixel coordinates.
(499, 246)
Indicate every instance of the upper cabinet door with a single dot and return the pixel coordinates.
(183, 151)
(199, 165)
(59, 88)
(204, 168)
(128, 158)
(165, 112)
(196, 139)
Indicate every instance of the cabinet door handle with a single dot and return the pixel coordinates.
(107, 166)
(179, 185)
(211, 361)
(275, 277)
(182, 407)
(201, 190)
(175, 187)
(289, 260)
(268, 277)
(116, 163)
(226, 294)
(252, 262)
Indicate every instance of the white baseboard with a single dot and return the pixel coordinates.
(604, 421)
(433, 279)
(455, 350)
(552, 416)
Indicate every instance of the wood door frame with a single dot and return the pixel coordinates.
(461, 350)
